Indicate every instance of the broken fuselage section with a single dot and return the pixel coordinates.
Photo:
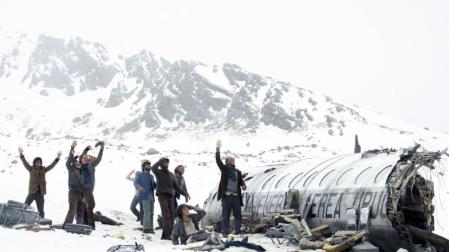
(379, 191)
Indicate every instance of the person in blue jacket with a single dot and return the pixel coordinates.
(145, 185)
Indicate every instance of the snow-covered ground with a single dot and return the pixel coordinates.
(113, 196)
(114, 193)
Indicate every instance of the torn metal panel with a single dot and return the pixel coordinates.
(11, 215)
(409, 201)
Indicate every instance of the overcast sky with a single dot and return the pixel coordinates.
(388, 56)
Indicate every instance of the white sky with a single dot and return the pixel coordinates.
(388, 56)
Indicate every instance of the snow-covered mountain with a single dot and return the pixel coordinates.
(159, 93)
(121, 97)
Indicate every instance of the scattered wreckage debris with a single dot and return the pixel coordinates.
(287, 228)
(346, 244)
(98, 216)
(365, 246)
(14, 213)
(74, 228)
(370, 153)
(290, 228)
(214, 242)
(305, 243)
(86, 229)
(127, 248)
(438, 242)
(35, 228)
(282, 233)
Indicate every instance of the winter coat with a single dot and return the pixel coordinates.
(146, 181)
(181, 183)
(90, 168)
(224, 169)
(166, 181)
(37, 175)
(179, 232)
(76, 179)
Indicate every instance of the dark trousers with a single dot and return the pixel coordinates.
(80, 214)
(138, 214)
(39, 198)
(173, 214)
(166, 203)
(89, 205)
(231, 203)
(75, 201)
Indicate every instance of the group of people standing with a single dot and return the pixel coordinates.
(178, 224)
(167, 187)
(81, 181)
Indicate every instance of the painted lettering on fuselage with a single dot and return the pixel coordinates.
(262, 203)
(331, 205)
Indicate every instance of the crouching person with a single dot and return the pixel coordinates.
(187, 225)
(76, 183)
(144, 183)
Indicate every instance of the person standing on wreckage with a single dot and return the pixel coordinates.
(76, 184)
(230, 191)
(88, 172)
(37, 185)
(166, 183)
(145, 185)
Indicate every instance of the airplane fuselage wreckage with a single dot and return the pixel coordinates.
(380, 191)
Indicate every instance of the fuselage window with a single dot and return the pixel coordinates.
(326, 177)
(343, 176)
(309, 179)
(382, 174)
(280, 180)
(361, 175)
(293, 180)
(268, 180)
(269, 170)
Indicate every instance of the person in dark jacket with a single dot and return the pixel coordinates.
(76, 184)
(144, 183)
(37, 184)
(187, 225)
(179, 171)
(166, 184)
(88, 172)
(230, 191)
(135, 200)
